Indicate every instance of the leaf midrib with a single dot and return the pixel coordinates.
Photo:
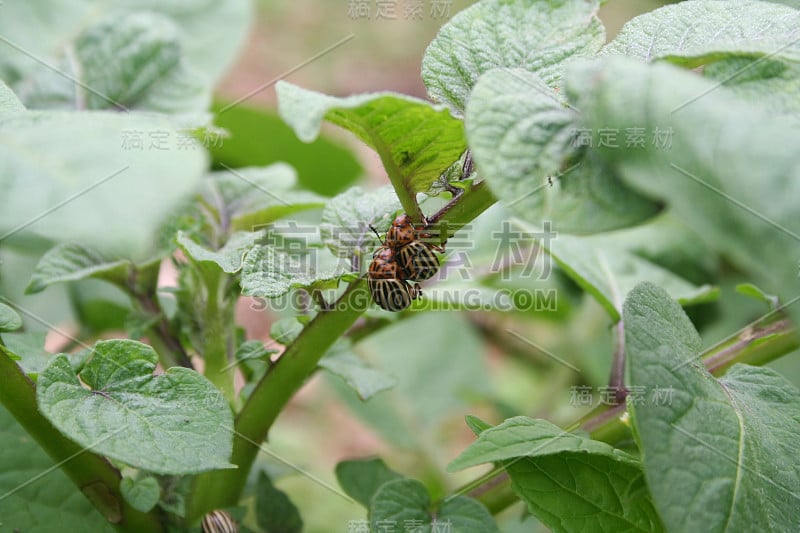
(740, 455)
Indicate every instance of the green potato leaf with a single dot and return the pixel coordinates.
(172, 423)
(570, 483)
(719, 454)
(404, 501)
(415, 140)
(524, 138)
(534, 35)
(73, 262)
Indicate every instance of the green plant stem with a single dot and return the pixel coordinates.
(466, 207)
(617, 379)
(494, 491)
(364, 328)
(222, 488)
(91, 473)
(141, 288)
(754, 346)
(165, 358)
(169, 349)
(604, 423)
(407, 197)
(216, 320)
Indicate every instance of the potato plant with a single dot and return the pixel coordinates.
(602, 349)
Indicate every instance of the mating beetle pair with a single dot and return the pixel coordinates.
(403, 257)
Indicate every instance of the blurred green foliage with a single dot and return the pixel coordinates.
(258, 137)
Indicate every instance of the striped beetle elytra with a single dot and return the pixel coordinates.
(219, 522)
(386, 283)
(418, 261)
(402, 257)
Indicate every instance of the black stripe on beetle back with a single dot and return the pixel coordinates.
(219, 522)
(390, 294)
(418, 261)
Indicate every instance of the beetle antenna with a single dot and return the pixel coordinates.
(377, 234)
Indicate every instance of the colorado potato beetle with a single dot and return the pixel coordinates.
(416, 258)
(393, 294)
(400, 233)
(219, 522)
(386, 283)
(418, 261)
